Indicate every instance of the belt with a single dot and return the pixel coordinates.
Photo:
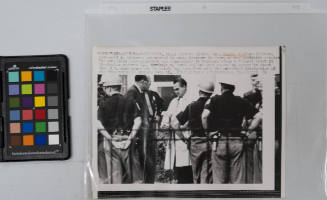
(231, 135)
(232, 138)
(216, 136)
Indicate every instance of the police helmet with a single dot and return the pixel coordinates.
(111, 80)
(207, 87)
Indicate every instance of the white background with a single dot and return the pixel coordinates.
(58, 26)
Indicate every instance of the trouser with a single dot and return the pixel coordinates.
(249, 160)
(147, 150)
(102, 163)
(200, 152)
(257, 157)
(118, 164)
(253, 157)
(183, 174)
(228, 163)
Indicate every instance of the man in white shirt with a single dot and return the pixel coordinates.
(177, 153)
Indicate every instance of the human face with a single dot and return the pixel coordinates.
(179, 91)
(107, 90)
(147, 84)
(277, 80)
(255, 82)
(144, 85)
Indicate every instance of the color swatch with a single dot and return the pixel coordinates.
(29, 112)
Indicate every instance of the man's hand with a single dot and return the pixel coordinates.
(165, 120)
(119, 141)
(117, 144)
(185, 140)
(251, 135)
(175, 123)
(164, 126)
(105, 134)
(126, 144)
(157, 118)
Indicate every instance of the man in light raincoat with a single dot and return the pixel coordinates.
(177, 153)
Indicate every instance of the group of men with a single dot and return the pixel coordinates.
(126, 131)
(211, 140)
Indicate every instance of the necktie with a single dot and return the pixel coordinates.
(148, 103)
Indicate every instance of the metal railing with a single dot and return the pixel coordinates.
(164, 140)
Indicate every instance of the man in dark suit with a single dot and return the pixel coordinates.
(156, 102)
(253, 171)
(150, 104)
(254, 96)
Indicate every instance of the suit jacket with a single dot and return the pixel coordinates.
(254, 97)
(133, 97)
(156, 102)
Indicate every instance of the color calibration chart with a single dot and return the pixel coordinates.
(36, 121)
(36, 115)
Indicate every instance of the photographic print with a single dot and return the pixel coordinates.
(187, 121)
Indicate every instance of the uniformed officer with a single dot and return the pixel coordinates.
(227, 112)
(200, 150)
(115, 138)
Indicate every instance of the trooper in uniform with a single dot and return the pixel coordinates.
(115, 137)
(227, 113)
(200, 150)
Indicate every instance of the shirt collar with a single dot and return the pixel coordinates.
(114, 92)
(228, 93)
(138, 88)
(181, 98)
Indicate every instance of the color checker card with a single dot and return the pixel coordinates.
(35, 120)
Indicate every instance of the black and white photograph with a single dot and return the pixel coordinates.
(187, 119)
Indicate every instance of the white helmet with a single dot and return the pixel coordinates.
(207, 86)
(111, 80)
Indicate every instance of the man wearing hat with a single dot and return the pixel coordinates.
(200, 150)
(227, 113)
(115, 164)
